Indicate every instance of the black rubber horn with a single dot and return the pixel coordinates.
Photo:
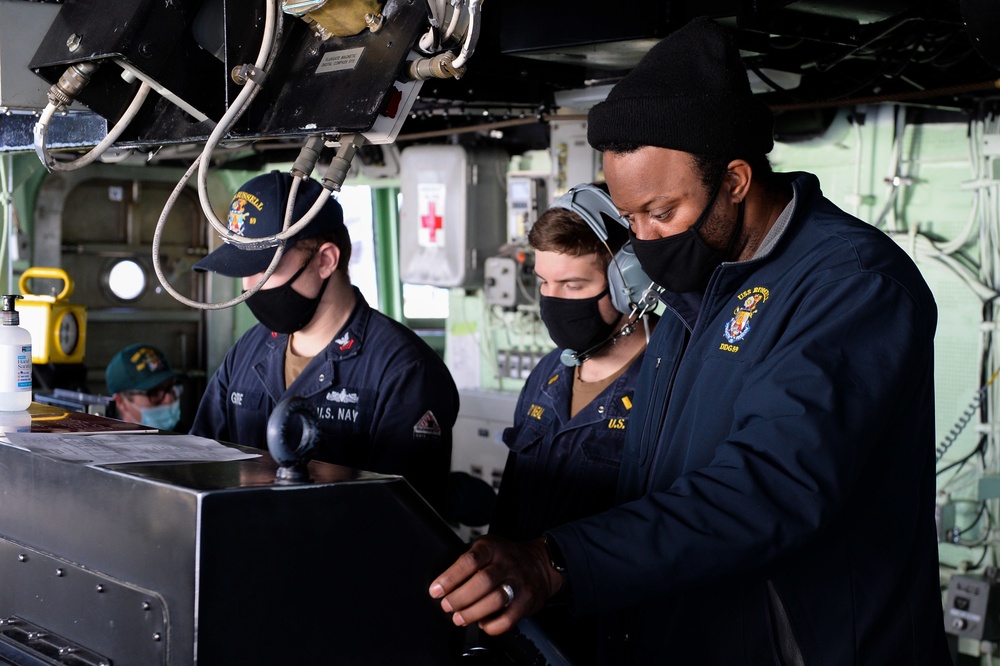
(292, 432)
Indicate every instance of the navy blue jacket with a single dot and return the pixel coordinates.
(560, 469)
(778, 476)
(385, 400)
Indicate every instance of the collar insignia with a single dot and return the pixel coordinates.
(345, 342)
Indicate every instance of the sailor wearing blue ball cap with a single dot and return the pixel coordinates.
(384, 399)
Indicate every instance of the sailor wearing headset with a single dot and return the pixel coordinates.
(569, 424)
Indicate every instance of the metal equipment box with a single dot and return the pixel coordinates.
(453, 213)
(215, 563)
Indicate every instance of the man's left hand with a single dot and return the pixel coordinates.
(496, 583)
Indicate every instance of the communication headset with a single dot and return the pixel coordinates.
(626, 279)
(632, 292)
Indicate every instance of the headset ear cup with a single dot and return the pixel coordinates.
(626, 279)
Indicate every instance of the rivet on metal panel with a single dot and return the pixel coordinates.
(146, 605)
(60, 572)
(22, 558)
(157, 636)
(99, 588)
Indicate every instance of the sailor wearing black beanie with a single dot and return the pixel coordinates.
(792, 391)
(686, 114)
(689, 92)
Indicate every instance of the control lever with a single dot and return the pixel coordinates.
(293, 418)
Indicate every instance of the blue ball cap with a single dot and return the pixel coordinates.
(258, 211)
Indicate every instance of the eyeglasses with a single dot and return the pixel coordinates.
(157, 394)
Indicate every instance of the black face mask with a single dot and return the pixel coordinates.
(684, 262)
(575, 323)
(282, 309)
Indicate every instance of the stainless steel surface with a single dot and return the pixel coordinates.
(113, 615)
(234, 568)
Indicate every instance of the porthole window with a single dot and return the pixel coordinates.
(127, 280)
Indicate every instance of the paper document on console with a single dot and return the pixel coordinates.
(126, 448)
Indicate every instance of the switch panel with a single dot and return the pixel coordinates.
(970, 608)
(501, 281)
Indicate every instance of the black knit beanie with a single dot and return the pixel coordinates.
(689, 92)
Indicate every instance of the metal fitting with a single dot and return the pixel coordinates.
(308, 156)
(73, 80)
(437, 67)
(374, 22)
(336, 173)
(249, 72)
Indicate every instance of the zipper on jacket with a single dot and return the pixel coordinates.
(700, 324)
(649, 459)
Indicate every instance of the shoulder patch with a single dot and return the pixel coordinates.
(427, 426)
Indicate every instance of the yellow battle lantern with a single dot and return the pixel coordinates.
(58, 328)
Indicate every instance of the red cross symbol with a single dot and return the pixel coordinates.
(431, 222)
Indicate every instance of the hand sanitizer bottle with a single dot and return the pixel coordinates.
(15, 359)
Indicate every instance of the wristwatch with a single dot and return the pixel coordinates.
(556, 558)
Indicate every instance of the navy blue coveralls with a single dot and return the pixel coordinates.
(385, 401)
(560, 469)
(778, 478)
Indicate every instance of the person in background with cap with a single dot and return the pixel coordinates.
(776, 497)
(145, 388)
(384, 399)
(569, 423)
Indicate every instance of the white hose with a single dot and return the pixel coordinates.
(922, 247)
(42, 128)
(225, 124)
(158, 269)
(456, 14)
(895, 178)
(471, 37)
(957, 243)
(287, 230)
(232, 114)
(429, 41)
(236, 109)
